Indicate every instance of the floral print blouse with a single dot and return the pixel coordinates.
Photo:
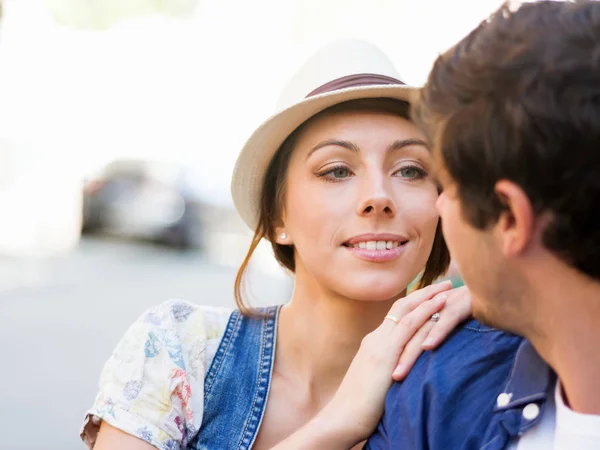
(152, 386)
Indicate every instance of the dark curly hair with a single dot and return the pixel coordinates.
(519, 99)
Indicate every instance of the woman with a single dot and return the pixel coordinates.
(339, 181)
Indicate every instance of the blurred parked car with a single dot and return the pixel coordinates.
(144, 200)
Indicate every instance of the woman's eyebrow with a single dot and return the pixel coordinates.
(396, 145)
(345, 144)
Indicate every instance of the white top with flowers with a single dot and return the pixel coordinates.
(152, 386)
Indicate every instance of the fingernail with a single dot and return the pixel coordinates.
(428, 342)
(440, 298)
(400, 370)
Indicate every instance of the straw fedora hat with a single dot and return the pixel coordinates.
(344, 70)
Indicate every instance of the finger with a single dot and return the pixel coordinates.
(457, 309)
(411, 352)
(407, 304)
(431, 290)
(401, 309)
(413, 321)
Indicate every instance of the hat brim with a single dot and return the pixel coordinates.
(256, 155)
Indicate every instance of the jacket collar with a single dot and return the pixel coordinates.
(523, 399)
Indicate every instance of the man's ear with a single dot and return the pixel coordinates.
(516, 225)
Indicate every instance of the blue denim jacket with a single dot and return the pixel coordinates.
(468, 394)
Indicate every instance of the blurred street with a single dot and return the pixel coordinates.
(60, 318)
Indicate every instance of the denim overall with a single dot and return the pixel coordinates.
(237, 383)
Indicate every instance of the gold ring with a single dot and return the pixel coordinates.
(392, 318)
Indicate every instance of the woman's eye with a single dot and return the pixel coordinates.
(336, 173)
(340, 172)
(411, 172)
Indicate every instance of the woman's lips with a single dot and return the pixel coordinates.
(377, 254)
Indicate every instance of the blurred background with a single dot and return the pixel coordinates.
(120, 121)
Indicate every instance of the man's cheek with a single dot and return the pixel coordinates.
(439, 203)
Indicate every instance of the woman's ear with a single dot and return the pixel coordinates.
(282, 237)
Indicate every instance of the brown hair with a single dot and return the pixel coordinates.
(519, 99)
(272, 200)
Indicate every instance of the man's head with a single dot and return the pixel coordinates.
(513, 111)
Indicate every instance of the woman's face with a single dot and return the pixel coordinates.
(360, 204)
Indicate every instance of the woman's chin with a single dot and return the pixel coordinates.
(377, 293)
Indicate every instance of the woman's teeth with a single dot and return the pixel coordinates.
(376, 245)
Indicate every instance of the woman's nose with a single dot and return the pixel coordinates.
(377, 200)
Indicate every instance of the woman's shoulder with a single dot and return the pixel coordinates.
(200, 321)
(183, 313)
(152, 386)
(190, 323)
(192, 332)
(176, 322)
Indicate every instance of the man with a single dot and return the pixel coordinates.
(513, 113)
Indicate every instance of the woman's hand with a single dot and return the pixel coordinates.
(431, 334)
(385, 355)
(358, 403)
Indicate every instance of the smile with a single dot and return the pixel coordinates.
(375, 245)
(377, 248)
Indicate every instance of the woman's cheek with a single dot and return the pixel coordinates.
(422, 213)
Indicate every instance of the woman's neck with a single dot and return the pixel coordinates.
(319, 335)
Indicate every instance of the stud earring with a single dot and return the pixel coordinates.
(283, 236)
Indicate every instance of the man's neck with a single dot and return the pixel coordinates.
(567, 336)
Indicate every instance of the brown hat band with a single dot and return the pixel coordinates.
(360, 79)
